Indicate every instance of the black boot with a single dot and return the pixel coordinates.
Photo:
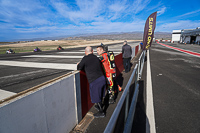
(100, 114)
(97, 107)
(111, 99)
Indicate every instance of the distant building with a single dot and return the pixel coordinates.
(176, 35)
(190, 36)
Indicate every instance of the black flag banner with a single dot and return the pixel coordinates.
(149, 28)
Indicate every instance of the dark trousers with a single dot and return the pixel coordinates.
(127, 64)
(97, 89)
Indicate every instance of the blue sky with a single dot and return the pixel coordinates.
(26, 19)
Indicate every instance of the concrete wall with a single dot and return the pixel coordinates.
(50, 109)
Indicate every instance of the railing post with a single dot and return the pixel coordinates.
(136, 77)
(138, 73)
(126, 107)
(141, 64)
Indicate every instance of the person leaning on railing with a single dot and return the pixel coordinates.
(97, 82)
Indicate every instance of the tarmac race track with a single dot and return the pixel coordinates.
(176, 88)
(19, 72)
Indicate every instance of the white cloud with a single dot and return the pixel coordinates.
(161, 11)
(23, 13)
(183, 24)
(116, 10)
(189, 13)
(86, 10)
(139, 5)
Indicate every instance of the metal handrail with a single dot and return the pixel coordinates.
(129, 114)
(112, 122)
(129, 121)
(141, 64)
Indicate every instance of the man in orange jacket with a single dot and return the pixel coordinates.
(108, 61)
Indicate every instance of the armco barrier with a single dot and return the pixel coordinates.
(48, 109)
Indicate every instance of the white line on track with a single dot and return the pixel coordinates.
(4, 94)
(39, 65)
(22, 74)
(80, 52)
(150, 122)
(118, 50)
(53, 56)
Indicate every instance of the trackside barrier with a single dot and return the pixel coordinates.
(119, 64)
(86, 103)
(135, 51)
(163, 41)
(129, 114)
(52, 108)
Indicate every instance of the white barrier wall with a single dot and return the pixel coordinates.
(187, 39)
(133, 53)
(50, 109)
(198, 38)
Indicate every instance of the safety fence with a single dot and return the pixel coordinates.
(125, 98)
(55, 106)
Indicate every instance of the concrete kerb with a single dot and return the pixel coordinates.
(83, 125)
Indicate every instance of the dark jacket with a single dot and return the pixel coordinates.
(126, 51)
(92, 66)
